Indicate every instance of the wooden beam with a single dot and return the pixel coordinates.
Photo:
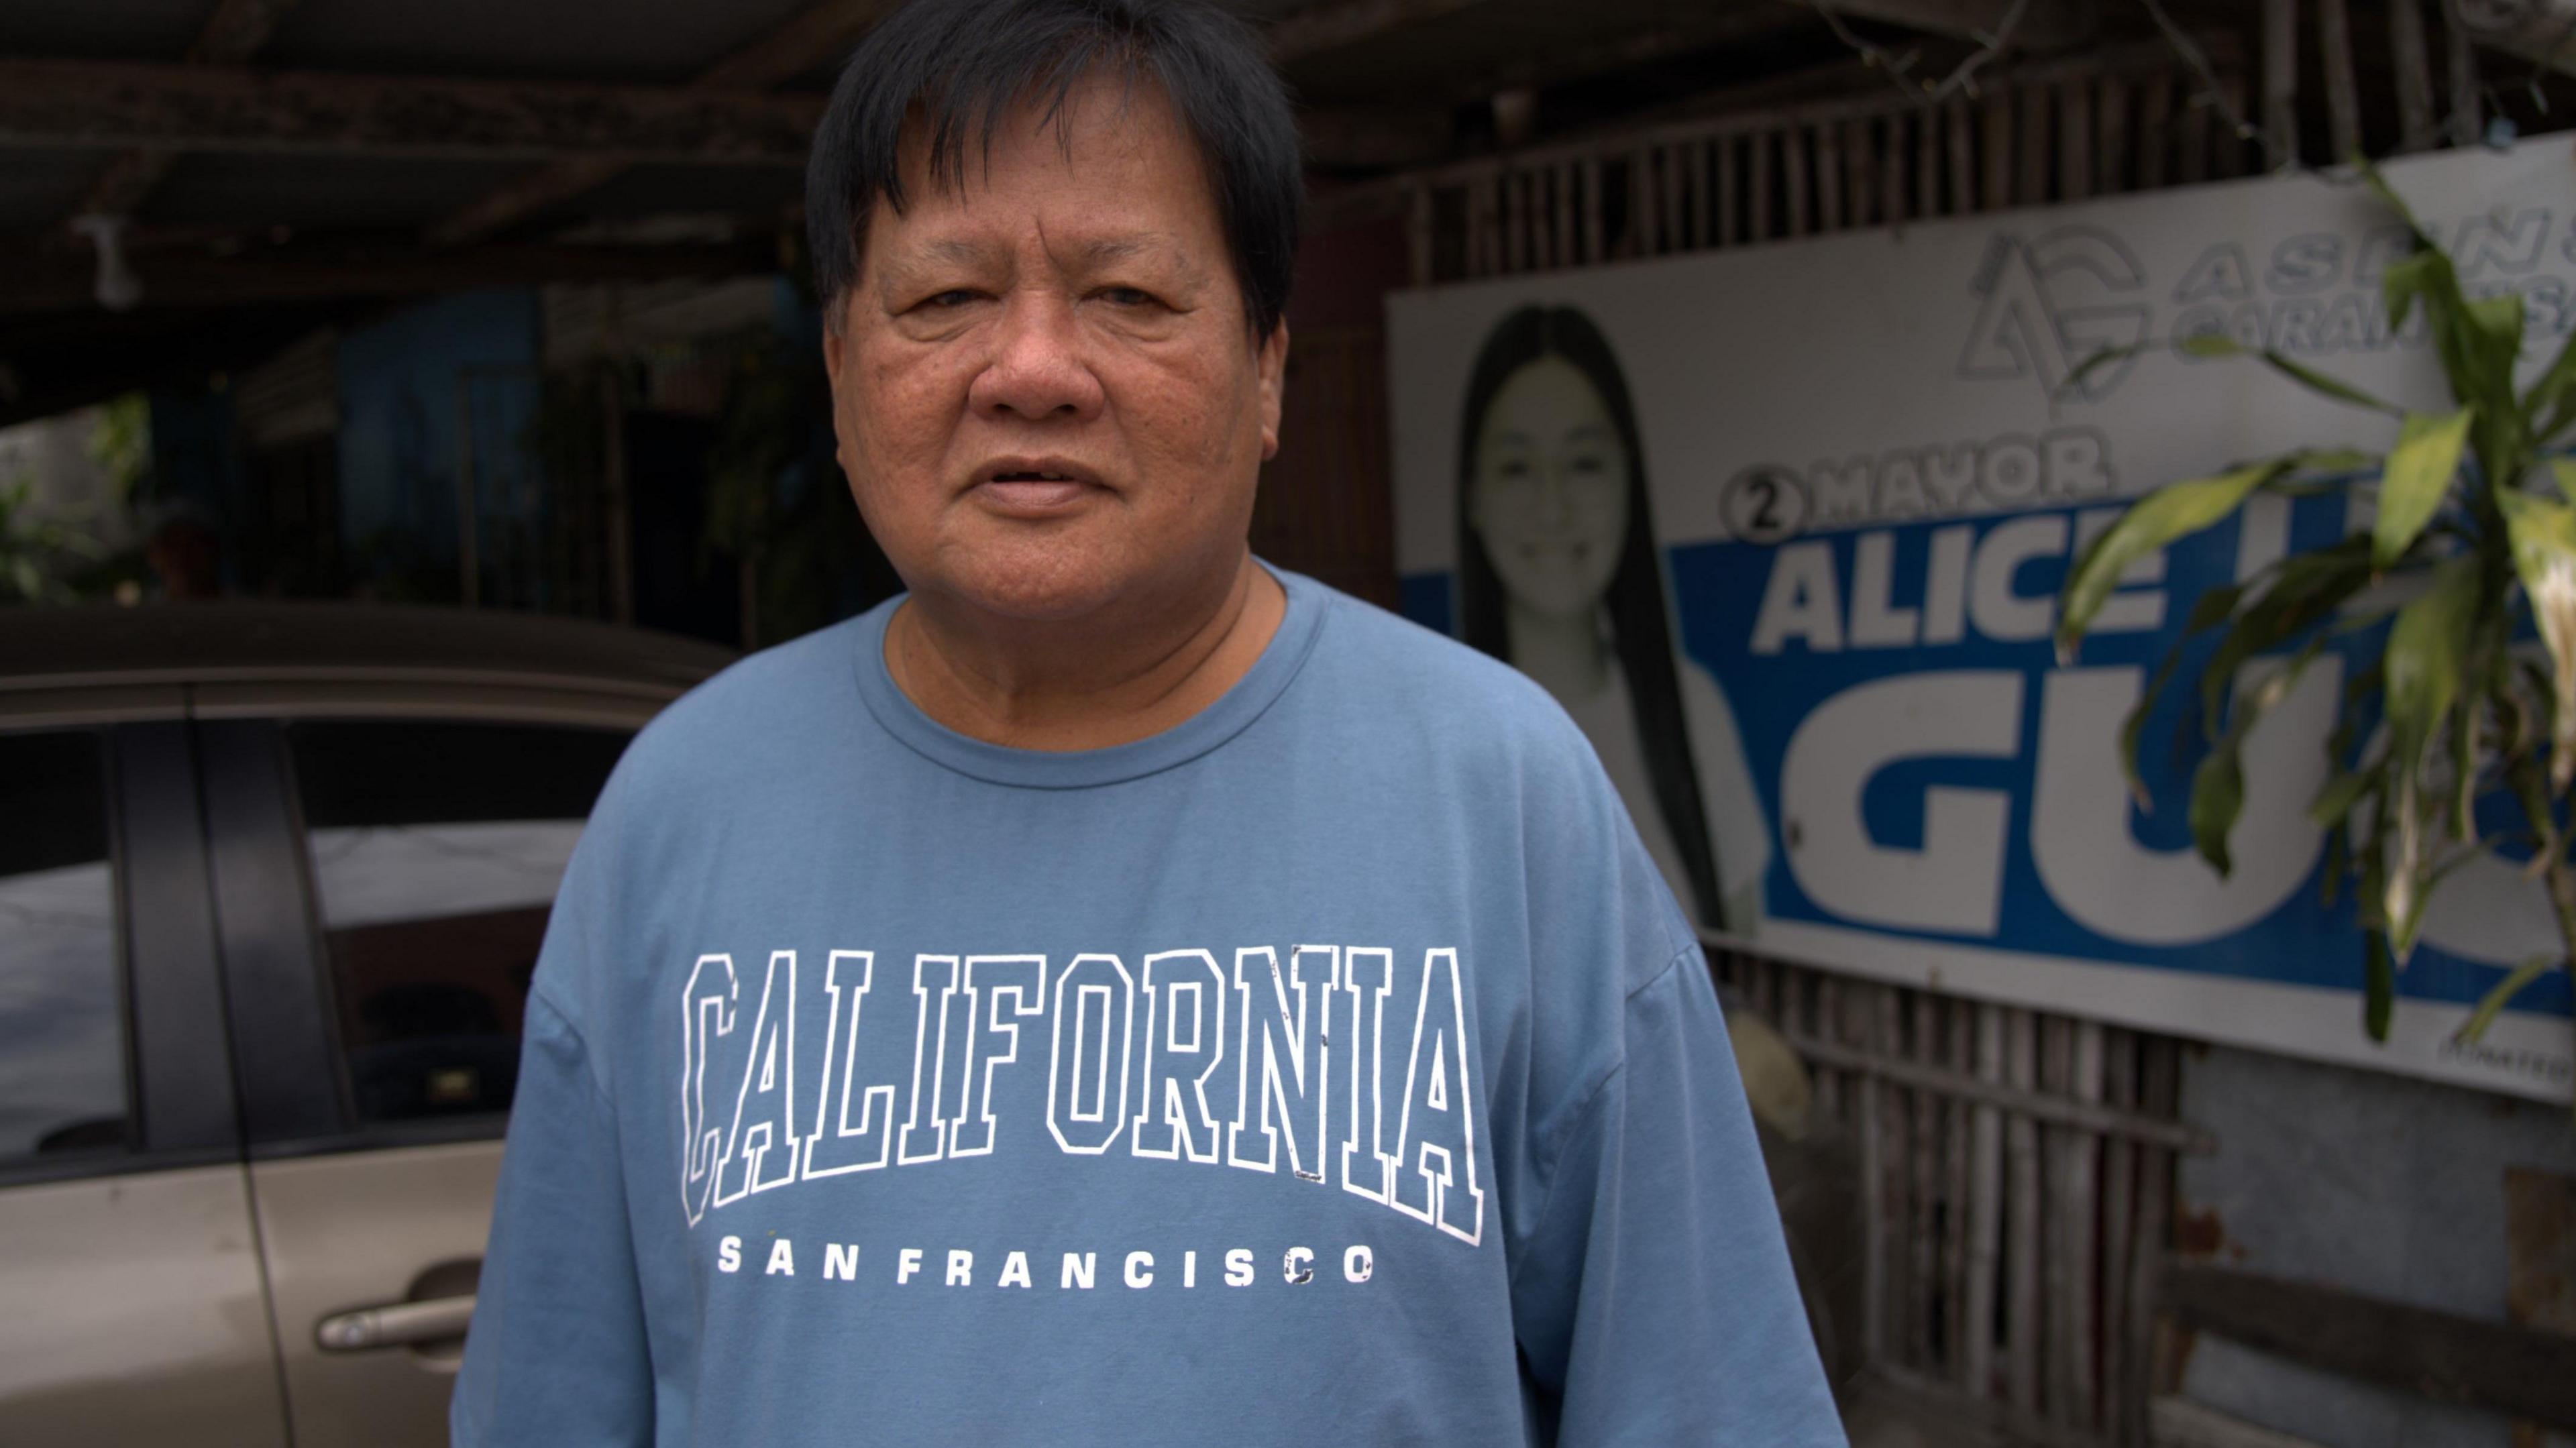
(236, 30)
(817, 37)
(2440, 1355)
(1374, 138)
(59, 279)
(1340, 23)
(2046, 25)
(1694, 30)
(56, 104)
(2540, 31)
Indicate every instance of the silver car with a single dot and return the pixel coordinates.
(272, 883)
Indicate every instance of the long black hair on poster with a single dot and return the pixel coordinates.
(1640, 629)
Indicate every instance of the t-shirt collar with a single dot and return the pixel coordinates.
(1234, 710)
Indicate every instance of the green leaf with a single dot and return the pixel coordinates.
(2423, 657)
(2416, 480)
(2136, 723)
(2218, 785)
(2564, 470)
(2101, 358)
(2213, 607)
(2427, 647)
(2553, 392)
(2496, 998)
(2306, 588)
(2217, 797)
(2173, 511)
(2334, 802)
(2207, 345)
(2379, 986)
(2379, 187)
(2543, 535)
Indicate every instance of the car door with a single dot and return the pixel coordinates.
(131, 1303)
(383, 886)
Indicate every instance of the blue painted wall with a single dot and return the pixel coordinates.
(399, 389)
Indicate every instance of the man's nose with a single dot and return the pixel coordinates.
(1037, 368)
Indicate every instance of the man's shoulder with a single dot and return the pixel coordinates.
(760, 708)
(1402, 674)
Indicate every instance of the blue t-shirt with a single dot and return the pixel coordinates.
(1332, 1068)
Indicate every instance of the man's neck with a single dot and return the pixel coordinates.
(1084, 685)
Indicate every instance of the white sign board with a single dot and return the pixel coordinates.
(1783, 528)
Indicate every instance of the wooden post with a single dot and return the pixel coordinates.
(1985, 1211)
(1829, 1081)
(2343, 89)
(1828, 142)
(2022, 1232)
(1593, 223)
(2467, 120)
(1761, 186)
(1963, 160)
(2191, 156)
(2030, 182)
(1924, 1231)
(2083, 1327)
(2119, 1213)
(2063, 1337)
(2230, 160)
(1515, 196)
(1873, 1217)
(620, 529)
(2280, 84)
(2155, 131)
(1793, 179)
(1641, 202)
(1418, 232)
(2407, 56)
(1860, 174)
(1961, 1057)
(1896, 1205)
(1703, 210)
(1928, 129)
(2074, 141)
(2158, 1085)
(1569, 182)
(1677, 197)
(1541, 218)
(2111, 136)
(1729, 211)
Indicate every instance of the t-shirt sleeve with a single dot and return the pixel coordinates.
(1654, 1301)
(556, 1354)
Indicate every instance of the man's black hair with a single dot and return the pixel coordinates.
(954, 68)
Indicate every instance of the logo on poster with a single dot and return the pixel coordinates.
(2050, 304)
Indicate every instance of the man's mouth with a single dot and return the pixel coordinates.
(1034, 489)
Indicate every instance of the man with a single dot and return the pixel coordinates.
(1117, 993)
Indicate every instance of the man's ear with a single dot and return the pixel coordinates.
(1272, 364)
(833, 319)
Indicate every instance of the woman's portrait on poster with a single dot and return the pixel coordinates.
(1559, 575)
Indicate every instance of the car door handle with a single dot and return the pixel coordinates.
(395, 1324)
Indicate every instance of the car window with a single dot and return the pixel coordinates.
(436, 849)
(62, 1033)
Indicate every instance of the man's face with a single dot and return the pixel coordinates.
(1047, 395)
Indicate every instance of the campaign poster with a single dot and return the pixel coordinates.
(1782, 528)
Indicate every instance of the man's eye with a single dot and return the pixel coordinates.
(953, 297)
(1127, 297)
